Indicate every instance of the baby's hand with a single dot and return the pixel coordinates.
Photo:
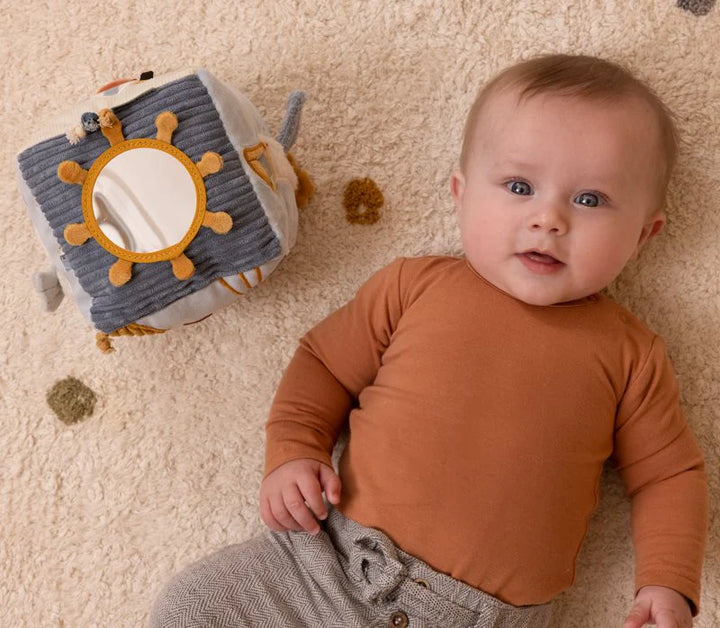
(661, 606)
(291, 496)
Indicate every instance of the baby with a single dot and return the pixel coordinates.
(483, 395)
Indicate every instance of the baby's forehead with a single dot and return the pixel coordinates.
(512, 100)
(513, 112)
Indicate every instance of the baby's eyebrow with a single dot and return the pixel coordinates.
(515, 165)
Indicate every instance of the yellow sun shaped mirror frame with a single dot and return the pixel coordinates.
(77, 234)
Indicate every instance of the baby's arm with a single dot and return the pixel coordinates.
(291, 496)
(663, 471)
(334, 363)
(661, 606)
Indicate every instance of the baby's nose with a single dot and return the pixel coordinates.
(551, 220)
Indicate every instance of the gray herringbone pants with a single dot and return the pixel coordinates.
(348, 576)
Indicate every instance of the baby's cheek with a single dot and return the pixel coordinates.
(607, 268)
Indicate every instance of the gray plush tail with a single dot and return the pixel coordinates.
(291, 122)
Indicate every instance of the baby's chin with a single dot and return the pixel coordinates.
(550, 298)
(543, 296)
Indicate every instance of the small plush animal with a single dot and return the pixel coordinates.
(161, 200)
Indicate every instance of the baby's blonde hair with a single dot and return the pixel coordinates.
(584, 77)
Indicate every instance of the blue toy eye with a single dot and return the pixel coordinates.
(520, 188)
(588, 199)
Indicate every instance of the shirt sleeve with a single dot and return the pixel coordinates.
(664, 474)
(333, 363)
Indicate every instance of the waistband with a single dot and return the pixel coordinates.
(384, 573)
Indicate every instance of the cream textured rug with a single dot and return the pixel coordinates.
(95, 516)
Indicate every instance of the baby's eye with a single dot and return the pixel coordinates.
(588, 199)
(519, 187)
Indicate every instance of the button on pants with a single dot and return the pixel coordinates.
(348, 576)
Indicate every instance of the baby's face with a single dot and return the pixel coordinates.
(558, 193)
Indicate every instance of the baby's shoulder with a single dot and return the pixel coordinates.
(428, 274)
(617, 323)
(430, 268)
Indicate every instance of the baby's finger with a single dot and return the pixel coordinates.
(330, 483)
(281, 514)
(268, 517)
(312, 493)
(639, 614)
(295, 504)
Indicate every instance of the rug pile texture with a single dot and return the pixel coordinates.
(165, 466)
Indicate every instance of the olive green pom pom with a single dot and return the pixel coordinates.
(71, 400)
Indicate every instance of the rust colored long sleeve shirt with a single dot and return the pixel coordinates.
(479, 426)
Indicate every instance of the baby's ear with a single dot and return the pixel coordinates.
(457, 187)
(651, 228)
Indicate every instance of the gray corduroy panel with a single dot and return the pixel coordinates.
(250, 243)
(348, 576)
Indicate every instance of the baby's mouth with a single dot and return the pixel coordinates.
(540, 263)
(543, 258)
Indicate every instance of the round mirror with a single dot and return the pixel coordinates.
(144, 200)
